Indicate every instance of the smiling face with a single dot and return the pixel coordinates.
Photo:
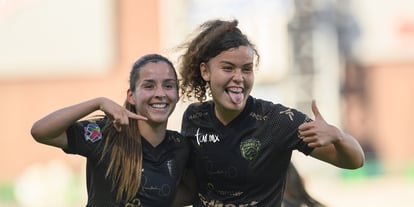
(156, 92)
(231, 79)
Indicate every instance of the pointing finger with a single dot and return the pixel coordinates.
(136, 116)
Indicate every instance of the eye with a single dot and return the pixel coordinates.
(170, 84)
(148, 86)
(228, 68)
(247, 68)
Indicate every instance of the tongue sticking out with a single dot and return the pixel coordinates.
(236, 98)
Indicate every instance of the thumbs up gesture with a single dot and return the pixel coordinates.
(318, 133)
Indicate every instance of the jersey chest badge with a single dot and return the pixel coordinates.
(250, 149)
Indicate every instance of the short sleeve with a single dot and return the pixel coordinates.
(85, 137)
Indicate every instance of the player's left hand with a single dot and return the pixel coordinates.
(318, 133)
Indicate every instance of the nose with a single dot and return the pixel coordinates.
(159, 92)
(238, 75)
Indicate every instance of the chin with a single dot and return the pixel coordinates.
(159, 119)
(235, 107)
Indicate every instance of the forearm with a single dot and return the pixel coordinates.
(331, 144)
(184, 197)
(56, 123)
(344, 151)
(187, 190)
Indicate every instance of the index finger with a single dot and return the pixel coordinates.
(136, 116)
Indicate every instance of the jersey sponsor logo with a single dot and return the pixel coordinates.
(258, 117)
(92, 132)
(218, 203)
(197, 115)
(205, 138)
(250, 149)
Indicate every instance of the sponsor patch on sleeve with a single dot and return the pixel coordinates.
(92, 132)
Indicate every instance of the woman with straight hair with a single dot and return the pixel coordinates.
(132, 158)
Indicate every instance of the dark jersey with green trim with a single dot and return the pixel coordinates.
(162, 167)
(245, 162)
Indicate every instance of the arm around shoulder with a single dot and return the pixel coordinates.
(187, 190)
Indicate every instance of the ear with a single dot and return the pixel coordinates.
(205, 73)
(130, 97)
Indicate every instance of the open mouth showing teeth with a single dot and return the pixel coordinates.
(234, 90)
(159, 105)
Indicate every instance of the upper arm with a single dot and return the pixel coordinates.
(60, 141)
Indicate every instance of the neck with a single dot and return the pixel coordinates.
(153, 133)
(225, 116)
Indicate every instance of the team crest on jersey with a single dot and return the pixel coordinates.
(92, 132)
(250, 149)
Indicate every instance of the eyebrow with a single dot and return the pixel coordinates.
(165, 80)
(170, 80)
(231, 63)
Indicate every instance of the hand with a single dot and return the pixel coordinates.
(318, 133)
(119, 114)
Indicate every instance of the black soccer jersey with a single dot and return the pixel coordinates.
(162, 166)
(243, 163)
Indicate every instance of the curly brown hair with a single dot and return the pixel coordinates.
(209, 40)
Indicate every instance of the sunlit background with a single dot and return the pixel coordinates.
(355, 58)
